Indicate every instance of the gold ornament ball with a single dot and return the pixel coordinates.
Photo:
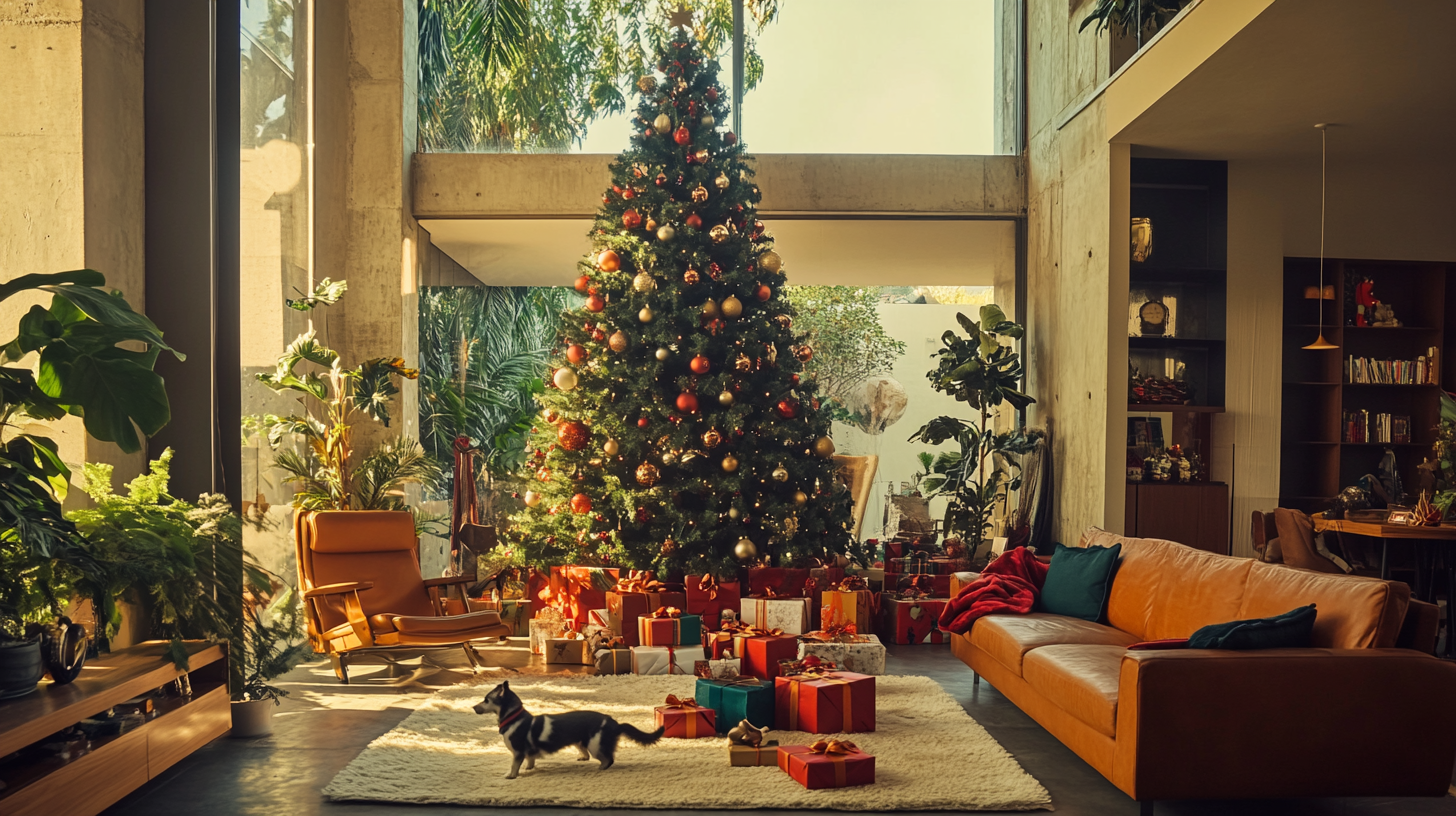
(610, 447)
(732, 307)
(700, 194)
(662, 123)
(644, 282)
(781, 474)
(771, 261)
(730, 463)
(745, 549)
(824, 446)
(710, 308)
(708, 120)
(565, 379)
(532, 498)
(800, 498)
(647, 474)
(701, 155)
(662, 354)
(666, 232)
(647, 84)
(651, 225)
(734, 513)
(669, 458)
(718, 233)
(617, 342)
(721, 182)
(645, 316)
(725, 398)
(711, 438)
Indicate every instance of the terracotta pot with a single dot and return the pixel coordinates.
(253, 718)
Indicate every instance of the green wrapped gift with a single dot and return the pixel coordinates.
(742, 698)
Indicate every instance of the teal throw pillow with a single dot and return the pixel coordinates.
(1079, 581)
(1293, 629)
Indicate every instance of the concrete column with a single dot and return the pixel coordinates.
(72, 158)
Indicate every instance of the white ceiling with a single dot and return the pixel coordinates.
(859, 252)
(1383, 72)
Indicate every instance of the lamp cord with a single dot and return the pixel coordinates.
(1324, 141)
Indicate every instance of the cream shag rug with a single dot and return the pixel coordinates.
(929, 755)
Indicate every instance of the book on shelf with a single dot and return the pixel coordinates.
(1362, 427)
(1424, 370)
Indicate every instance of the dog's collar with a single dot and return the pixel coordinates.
(510, 719)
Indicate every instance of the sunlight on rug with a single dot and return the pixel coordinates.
(929, 755)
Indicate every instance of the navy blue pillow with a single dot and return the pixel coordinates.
(1293, 629)
(1079, 580)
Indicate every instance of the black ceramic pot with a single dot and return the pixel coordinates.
(21, 667)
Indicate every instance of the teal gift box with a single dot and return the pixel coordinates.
(743, 698)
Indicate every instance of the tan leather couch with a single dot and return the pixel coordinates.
(1352, 716)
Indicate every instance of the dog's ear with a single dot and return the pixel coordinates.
(506, 684)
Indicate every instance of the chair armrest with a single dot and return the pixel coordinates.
(1267, 723)
(449, 580)
(338, 589)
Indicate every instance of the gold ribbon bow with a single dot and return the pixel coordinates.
(690, 718)
(667, 612)
(636, 581)
(834, 747)
(709, 584)
(853, 583)
(674, 701)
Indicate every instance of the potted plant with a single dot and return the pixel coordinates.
(83, 370)
(983, 372)
(272, 645)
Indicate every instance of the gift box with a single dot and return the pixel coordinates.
(624, 608)
(719, 645)
(665, 659)
(737, 699)
(548, 623)
(783, 581)
(925, 564)
(707, 597)
(789, 614)
(746, 756)
(576, 590)
(685, 719)
(614, 661)
(599, 617)
(930, 586)
(827, 764)
(912, 620)
(958, 582)
(718, 669)
(570, 651)
(838, 702)
(842, 608)
(865, 654)
(668, 627)
(874, 577)
(515, 613)
(761, 653)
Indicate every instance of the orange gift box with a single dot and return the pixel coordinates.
(827, 764)
(825, 702)
(574, 590)
(761, 653)
(684, 719)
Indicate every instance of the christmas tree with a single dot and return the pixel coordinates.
(678, 431)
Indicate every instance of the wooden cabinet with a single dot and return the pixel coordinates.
(1192, 514)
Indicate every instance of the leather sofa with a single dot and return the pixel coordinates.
(1352, 716)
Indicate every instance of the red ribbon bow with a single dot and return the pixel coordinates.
(667, 612)
(811, 585)
(674, 701)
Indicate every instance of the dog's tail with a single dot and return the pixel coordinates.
(631, 732)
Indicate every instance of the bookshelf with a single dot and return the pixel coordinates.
(1331, 425)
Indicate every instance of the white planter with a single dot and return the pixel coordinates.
(253, 718)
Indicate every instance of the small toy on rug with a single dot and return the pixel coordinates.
(527, 736)
(746, 733)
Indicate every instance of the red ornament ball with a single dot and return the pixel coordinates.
(596, 303)
(609, 261)
(687, 403)
(681, 136)
(581, 503)
(631, 219)
(764, 293)
(582, 283)
(794, 379)
(573, 436)
(787, 408)
(629, 194)
(711, 94)
(694, 221)
(699, 364)
(729, 138)
(642, 422)
(576, 354)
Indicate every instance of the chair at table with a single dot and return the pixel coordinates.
(858, 474)
(359, 573)
(1265, 535)
(1296, 542)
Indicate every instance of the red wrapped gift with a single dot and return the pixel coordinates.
(783, 582)
(635, 596)
(685, 719)
(823, 702)
(912, 620)
(574, 590)
(827, 764)
(719, 644)
(761, 651)
(668, 626)
(855, 606)
(708, 597)
(930, 586)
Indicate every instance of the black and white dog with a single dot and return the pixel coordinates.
(527, 737)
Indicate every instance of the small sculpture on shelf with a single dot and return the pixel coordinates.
(1369, 310)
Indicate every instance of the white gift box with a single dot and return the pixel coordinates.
(865, 657)
(665, 659)
(718, 669)
(789, 614)
(543, 629)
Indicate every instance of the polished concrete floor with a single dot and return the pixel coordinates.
(323, 725)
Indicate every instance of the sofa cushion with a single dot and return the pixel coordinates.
(1292, 630)
(1197, 589)
(1081, 679)
(1008, 638)
(1354, 612)
(1078, 580)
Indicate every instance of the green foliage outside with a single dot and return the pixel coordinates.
(1125, 16)
(842, 324)
(984, 373)
(531, 75)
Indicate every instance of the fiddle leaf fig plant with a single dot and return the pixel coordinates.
(984, 372)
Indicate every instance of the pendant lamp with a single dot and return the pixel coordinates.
(1320, 343)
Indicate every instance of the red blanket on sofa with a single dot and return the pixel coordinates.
(1008, 585)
